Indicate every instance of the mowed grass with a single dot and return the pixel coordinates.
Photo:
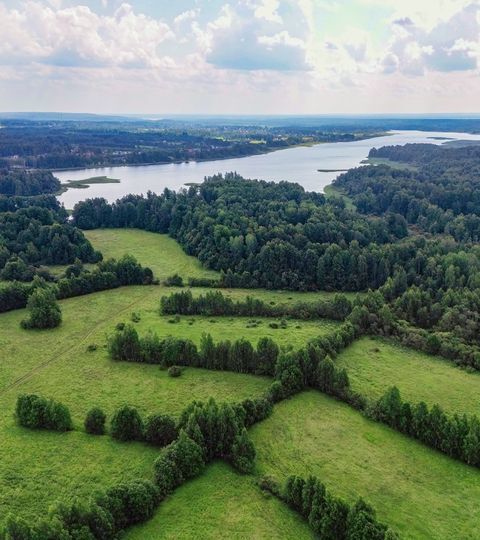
(158, 251)
(418, 491)
(222, 504)
(374, 365)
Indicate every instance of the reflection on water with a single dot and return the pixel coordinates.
(298, 164)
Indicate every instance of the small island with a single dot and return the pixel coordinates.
(86, 183)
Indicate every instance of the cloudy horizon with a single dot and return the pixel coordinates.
(240, 57)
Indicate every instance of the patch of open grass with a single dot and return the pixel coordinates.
(222, 504)
(39, 468)
(374, 365)
(158, 251)
(418, 491)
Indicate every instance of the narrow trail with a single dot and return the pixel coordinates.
(58, 355)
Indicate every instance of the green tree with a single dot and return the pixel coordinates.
(95, 421)
(160, 429)
(44, 309)
(127, 425)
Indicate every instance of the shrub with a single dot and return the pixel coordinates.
(174, 281)
(243, 453)
(44, 309)
(125, 345)
(34, 411)
(135, 317)
(174, 371)
(130, 502)
(92, 347)
(127, 425)
(95, 421)
(160, 429)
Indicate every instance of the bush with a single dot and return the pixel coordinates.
(95, 421)
(243, 453)
(160, 429)
(125, 345)
(174, 281)
(34, 411)
(44, 309)
(130, 502)
(127, 425)
(174, 371)
(135, 317)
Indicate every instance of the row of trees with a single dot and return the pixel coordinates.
(457, 436)
(215, 303)
(331, 517)
(78, 281)
(103, 517)
(239, 356)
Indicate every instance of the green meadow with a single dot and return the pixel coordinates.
(421, 493)
(222, 504)
(374, 365)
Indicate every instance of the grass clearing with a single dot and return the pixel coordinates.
(158, 251)
(39, 468)
(222, 504)
(374, 365)
(418, 491)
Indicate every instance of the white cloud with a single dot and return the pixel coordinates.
(77, 36)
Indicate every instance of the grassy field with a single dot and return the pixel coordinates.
(222, 504)
(158, 251)
(37, 468)
(374, 365)
(420, 492)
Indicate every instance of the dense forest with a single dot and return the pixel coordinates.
(262, 234)
(68, 144)
(27, 183)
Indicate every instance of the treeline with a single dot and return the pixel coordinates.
(34, 236)
(456, 436)
(78, 281)
(239, 356)
(103, 517)
(215, 303)
(261, 234)
(27, 183)
(331, 517)
(310, 366)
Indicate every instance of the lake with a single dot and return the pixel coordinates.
(299, 164)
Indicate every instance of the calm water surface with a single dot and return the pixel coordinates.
(299, 164)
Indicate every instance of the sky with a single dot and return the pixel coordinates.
(240, 56)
